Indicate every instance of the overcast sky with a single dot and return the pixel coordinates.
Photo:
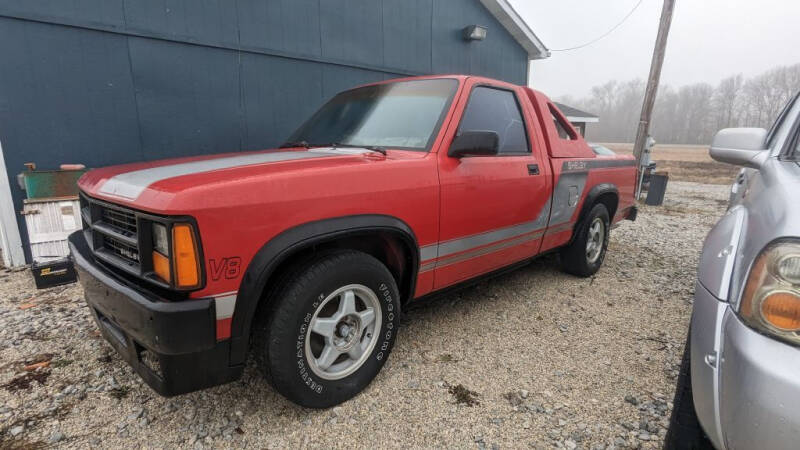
(709, 40)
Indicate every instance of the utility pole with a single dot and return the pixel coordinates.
(652, 87)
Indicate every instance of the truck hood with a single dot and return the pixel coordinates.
(140, 184)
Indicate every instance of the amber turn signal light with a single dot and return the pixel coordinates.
(781, 309)
(161, 266)
(184, 252)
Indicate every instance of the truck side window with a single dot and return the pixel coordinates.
(492, 109)
(563, 130)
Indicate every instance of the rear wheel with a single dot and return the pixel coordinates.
(330, 329)
(584, 256)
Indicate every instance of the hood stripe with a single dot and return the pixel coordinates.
(131, 184)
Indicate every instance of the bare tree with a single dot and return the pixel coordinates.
(727, 101)
(692, 113)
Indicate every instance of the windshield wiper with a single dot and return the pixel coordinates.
(292, 144)
(373, 148)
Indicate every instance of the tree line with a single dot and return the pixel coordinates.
(690, 114)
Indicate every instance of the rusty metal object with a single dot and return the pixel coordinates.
(51, 183)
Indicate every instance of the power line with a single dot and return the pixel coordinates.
(602, 35)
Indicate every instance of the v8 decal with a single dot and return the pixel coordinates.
(228, 268)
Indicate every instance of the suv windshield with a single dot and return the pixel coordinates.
(402, 115)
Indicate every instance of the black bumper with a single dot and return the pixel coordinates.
(171, 345)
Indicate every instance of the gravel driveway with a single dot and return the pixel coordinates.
(532, 358)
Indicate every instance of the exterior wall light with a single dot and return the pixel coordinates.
(474, 33)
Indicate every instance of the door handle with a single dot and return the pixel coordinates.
(533, 169)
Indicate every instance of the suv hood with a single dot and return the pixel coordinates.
(136, 184)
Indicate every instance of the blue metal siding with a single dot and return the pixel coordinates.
(499, 56)
(271, 109)
(351, 31)
(290, 26)
(104, 82)
(407, 34)
(187, 97)
(66, 95)
(207, 21)
(109, 13)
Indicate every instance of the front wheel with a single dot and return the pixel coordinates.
(331, 328)
(584, 256)
(685, 431)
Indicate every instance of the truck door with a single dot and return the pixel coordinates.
(493, 208)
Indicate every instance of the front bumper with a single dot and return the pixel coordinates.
(746, 386)
(706, 324)
(171, 345)
(759, 389)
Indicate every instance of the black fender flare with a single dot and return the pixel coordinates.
(272, 254)
(591, 198)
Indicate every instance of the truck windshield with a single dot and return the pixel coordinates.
(401, 115)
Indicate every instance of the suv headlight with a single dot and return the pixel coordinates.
(176, 260)
(771, 297)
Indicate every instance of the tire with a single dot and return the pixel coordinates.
(684, 430)
(575, 257)
(317, 344)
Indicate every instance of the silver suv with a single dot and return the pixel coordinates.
(739, 384)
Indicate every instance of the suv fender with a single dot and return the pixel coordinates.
(286, 244)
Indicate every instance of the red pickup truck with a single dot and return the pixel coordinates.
(305, 255)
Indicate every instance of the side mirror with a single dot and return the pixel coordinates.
(474, 143)
(740, 146)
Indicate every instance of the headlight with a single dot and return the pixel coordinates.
(160, 239)
(176, 261)
(771, 297)
(789, 269)
(161, 260)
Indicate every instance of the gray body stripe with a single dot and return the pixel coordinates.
(428, 252)
(560, 227)
(224, 305)
(480, 252)
(566, 196)
(582, 165)
(460, 245)
(489, 249)
(131, 184)
(518, 233)
(457, 245)
(570, 187)
(427, 266)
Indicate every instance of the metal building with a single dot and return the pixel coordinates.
(103, 82)
(577, 117)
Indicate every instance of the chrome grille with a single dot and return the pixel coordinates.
(112, 233)
(124, 251)
(120, 238)
(119, 231)
(120, 220)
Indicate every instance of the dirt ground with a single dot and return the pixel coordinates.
(685, 163)
(534, 358)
